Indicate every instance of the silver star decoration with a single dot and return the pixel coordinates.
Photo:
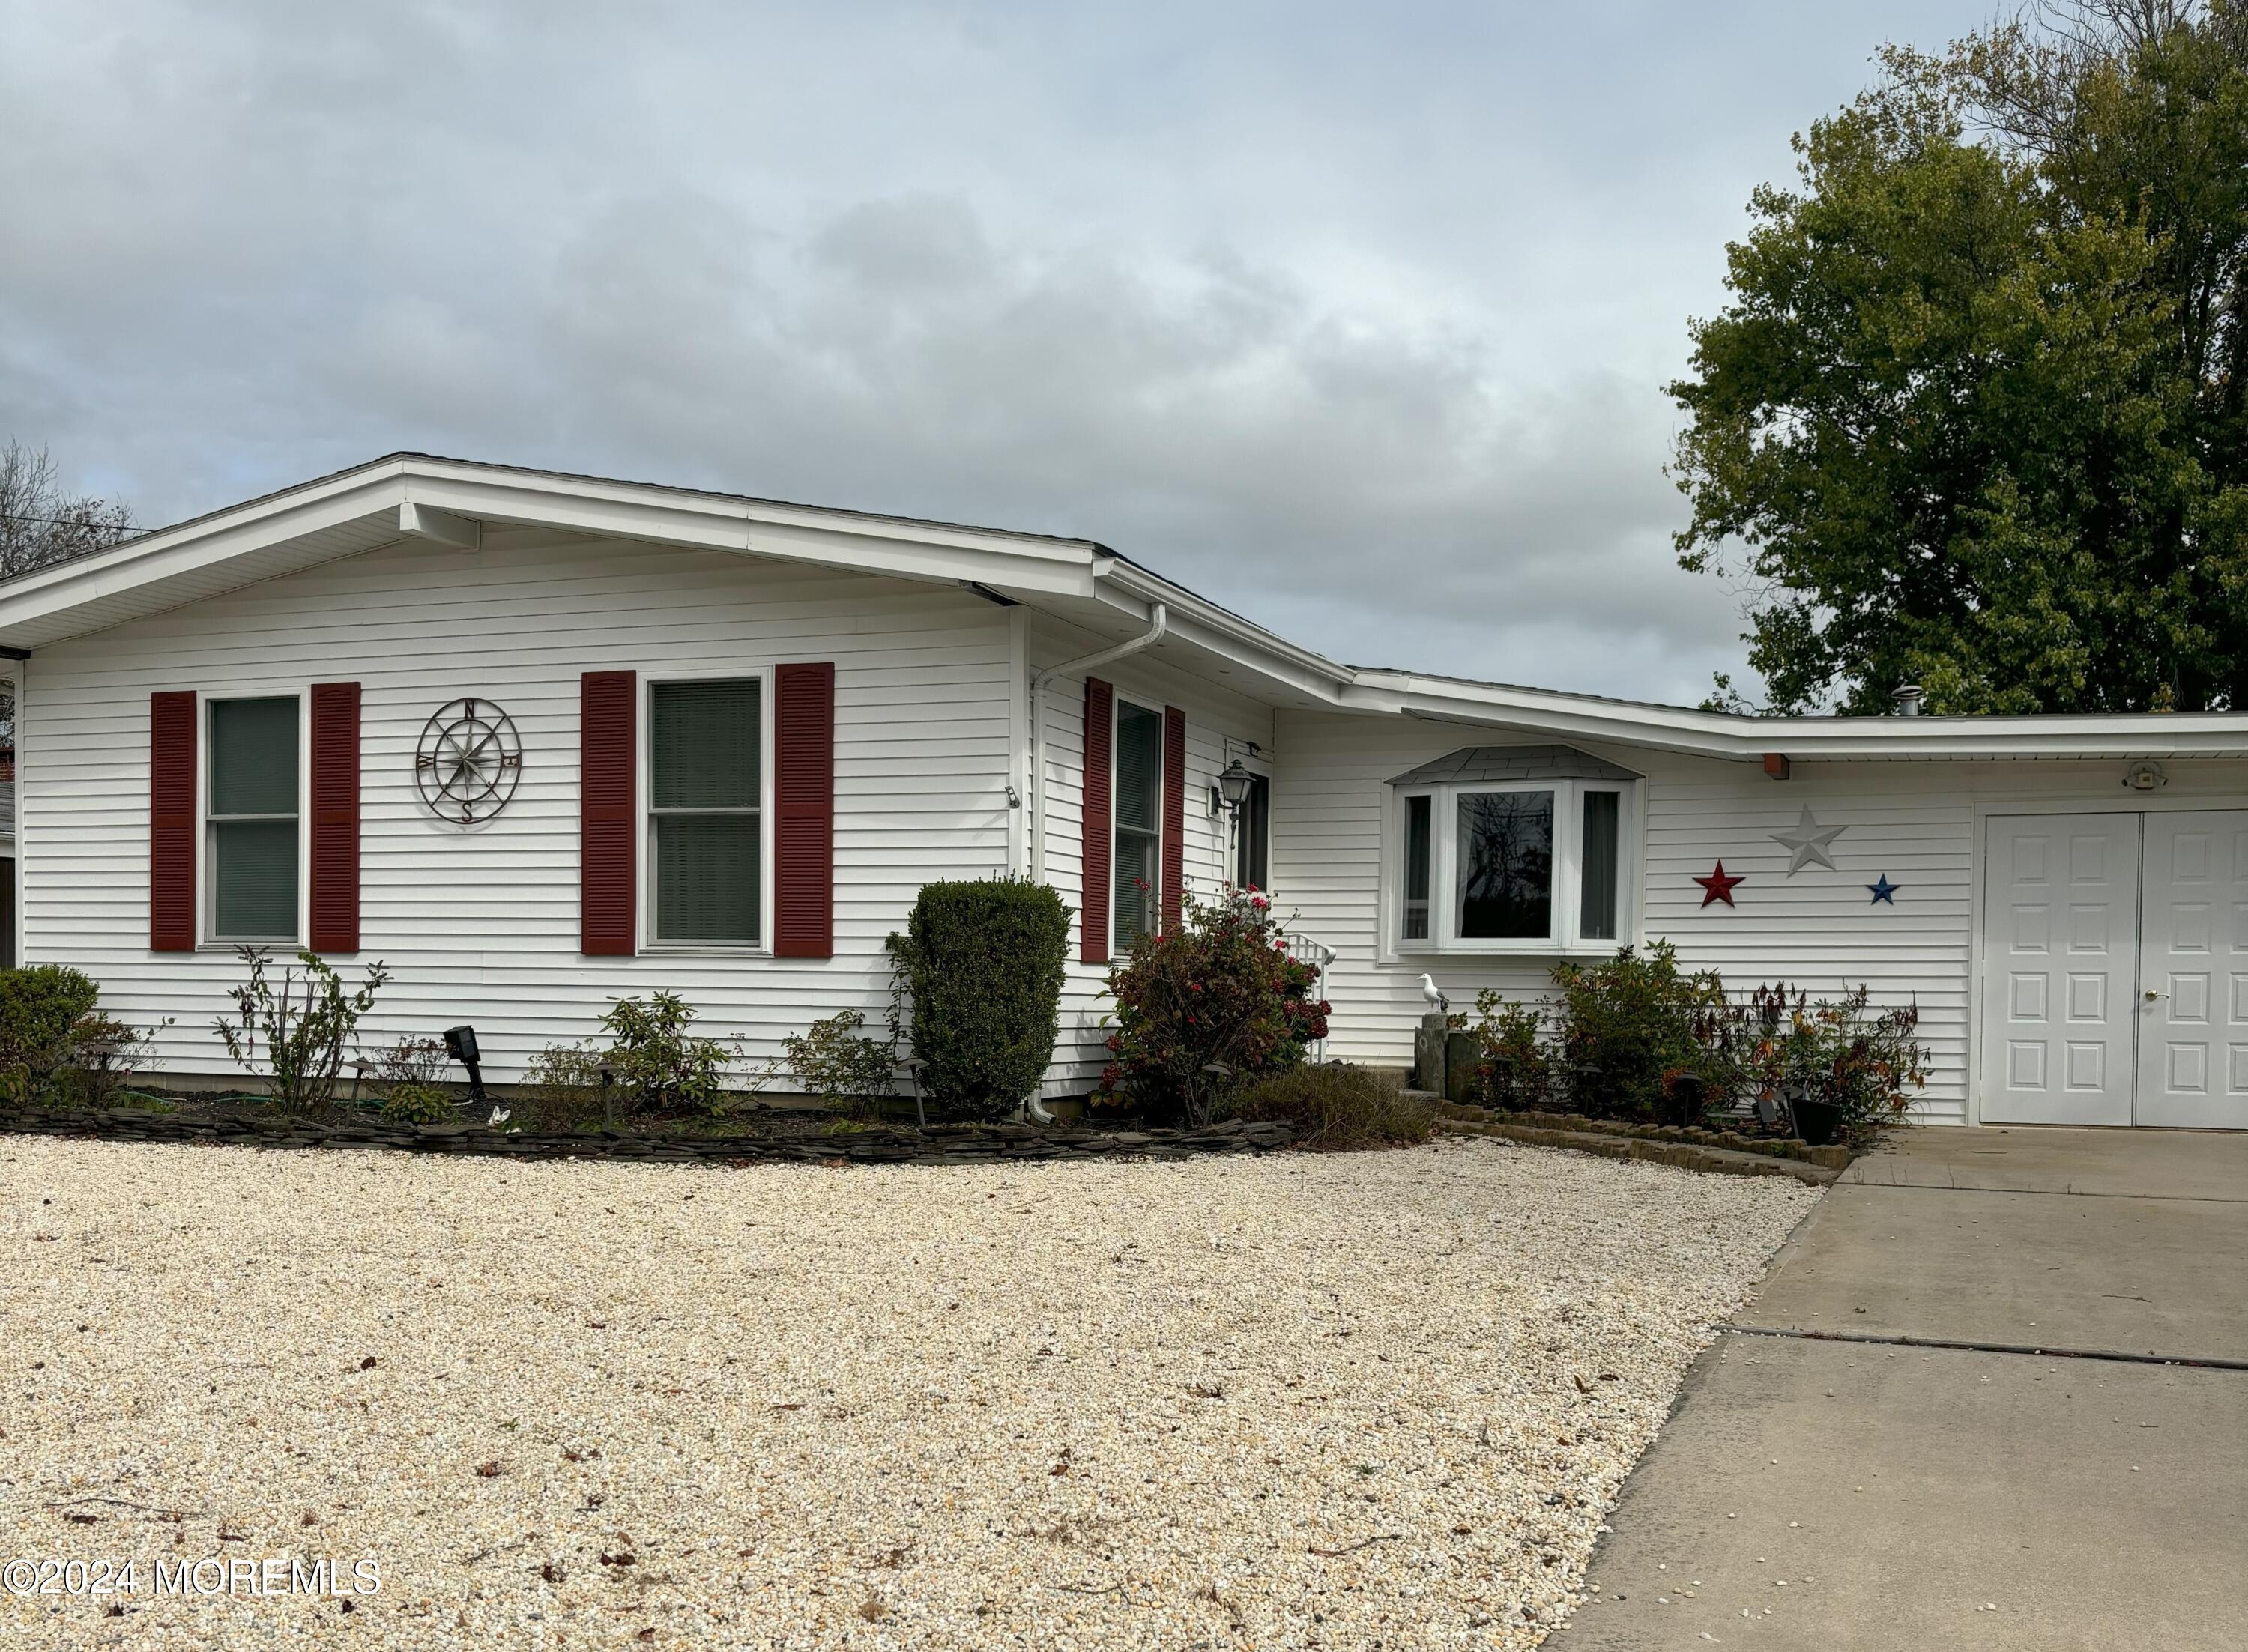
(1808, 842)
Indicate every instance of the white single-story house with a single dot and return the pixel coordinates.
(539, 741)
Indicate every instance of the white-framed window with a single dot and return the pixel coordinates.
(253, 818)
(1136, 809)
(708, 798)
(1514, 866)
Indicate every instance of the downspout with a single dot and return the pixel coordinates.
(1158, 618)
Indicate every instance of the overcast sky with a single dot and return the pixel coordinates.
(1354, 317)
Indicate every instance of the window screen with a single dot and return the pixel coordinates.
(1505, 865)
(252, 815)
(706, 777)
(1138, 815)
(1603, 817)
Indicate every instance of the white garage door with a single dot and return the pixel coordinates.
(2114, 986)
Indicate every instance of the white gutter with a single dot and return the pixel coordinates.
(1158, 620)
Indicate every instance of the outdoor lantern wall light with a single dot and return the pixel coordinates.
(1233, 783)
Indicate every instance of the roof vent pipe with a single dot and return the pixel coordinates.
(1906, 696)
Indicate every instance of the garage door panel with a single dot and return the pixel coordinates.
(2194, 956)
(2069, 881)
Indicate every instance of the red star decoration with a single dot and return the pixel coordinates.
(1717, 885)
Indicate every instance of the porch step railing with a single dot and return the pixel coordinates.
(1318, 955)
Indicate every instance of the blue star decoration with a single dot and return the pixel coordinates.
(1884, 890)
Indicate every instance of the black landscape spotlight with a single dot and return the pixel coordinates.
(461, 1045)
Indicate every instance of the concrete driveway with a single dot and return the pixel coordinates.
(1994, 1394)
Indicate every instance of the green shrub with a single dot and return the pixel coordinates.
(38, 1008)
(304, 1025)
(981, 961)
(414, 1103)
(1631, 1024)
(1336, 1107)
(1514, 1063)
(1220, 991)
(101, 1055)
(412, 1061)
(562, 1088)
(1836, 1051)
(660, 1066)
(833, 1064)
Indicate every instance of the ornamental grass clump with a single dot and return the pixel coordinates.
(1336, 1109)
(977, 979)
(1207, 1007)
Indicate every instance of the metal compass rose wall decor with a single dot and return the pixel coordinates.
(469, 761)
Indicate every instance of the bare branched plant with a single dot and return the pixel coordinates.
(41, 521)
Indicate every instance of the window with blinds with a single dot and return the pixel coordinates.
(706, 781)
(251, 817)
(1139, 796)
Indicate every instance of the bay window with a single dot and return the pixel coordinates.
(1519, 850)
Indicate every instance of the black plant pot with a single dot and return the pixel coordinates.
(1688, 1099)
(1819, 1121)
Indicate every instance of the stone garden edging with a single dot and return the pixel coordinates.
(943, 1144)
(1686, 1155)
(1830, 1158)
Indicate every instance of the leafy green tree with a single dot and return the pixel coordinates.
(1974, 417)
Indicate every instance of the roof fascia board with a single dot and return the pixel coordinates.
(1746, 739)
(433, 474)
(1201, 622)
(73, 583)
(706, 523)
(209, 539)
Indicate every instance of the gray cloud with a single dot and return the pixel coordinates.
(1354, 319)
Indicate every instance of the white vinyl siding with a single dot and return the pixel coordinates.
(1915, 822)
(1214, 716)
(480, 923)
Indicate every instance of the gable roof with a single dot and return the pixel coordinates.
(411, 495)
(1514, 763)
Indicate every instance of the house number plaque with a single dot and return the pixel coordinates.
(469, 761)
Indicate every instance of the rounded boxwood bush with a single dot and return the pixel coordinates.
(980, 962)
(38, 1007)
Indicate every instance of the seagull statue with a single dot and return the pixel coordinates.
(1435, 999)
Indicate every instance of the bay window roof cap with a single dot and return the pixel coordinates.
(1509, 763)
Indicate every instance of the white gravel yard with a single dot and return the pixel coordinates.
(1357, 1401)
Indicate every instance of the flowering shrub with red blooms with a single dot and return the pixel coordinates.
(1219, 989)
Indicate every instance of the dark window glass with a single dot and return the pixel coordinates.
(1418, 814)
(1138, 805)
(1252, 850)
(1506, 886)
(706, 778)
(1603, 815)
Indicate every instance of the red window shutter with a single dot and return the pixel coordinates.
(1099, 827)
(171, 821)
(608, 723)
(335, 816)
(804, 810)
(1175, 817)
